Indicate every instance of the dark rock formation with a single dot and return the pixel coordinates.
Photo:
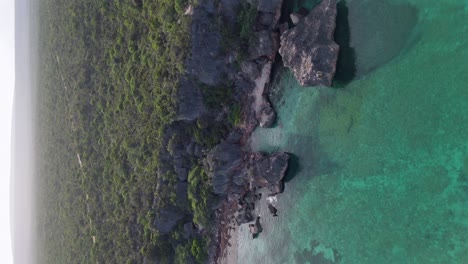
(276, 188)
(273, 210)
(228, 165)
(269, 170)
(244, 217)
(224, 161)
(309, 50)
(181, 193)
(269, 6)
(217, 202)
(250, 70)
(267, 116)
(265, 43)
(224, 157)
(283, 27)
(190, 149)
(189, 230)
(182, 173)
(249, 197)
(240, 178)
(167, 219)
(228, 10)
(256, 229)
(266, 19)
(191, 104)
(205, 63)
(234, 137)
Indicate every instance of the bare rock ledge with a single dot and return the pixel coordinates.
(309, 50)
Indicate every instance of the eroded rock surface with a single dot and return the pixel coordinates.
(167, 219)
(269, 170)
(267, 116)
(309, 50)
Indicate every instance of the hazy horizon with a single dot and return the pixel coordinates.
(22, 152)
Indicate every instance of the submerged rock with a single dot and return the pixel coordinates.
(256, 229)
(308, 48)
(273, 210)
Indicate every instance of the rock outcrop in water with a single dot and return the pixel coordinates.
(267, 116)
(234, 172)
(268, 171)
(308, 49)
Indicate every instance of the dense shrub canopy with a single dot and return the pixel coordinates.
(108, 82)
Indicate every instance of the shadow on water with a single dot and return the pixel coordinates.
(346, 65)
(308, 159)
(310, 255)
(294, 167)
(371, 34)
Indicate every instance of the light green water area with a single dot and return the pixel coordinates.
(380, 162)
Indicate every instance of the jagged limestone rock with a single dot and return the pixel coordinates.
(309, 50)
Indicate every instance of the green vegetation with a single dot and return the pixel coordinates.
(247, 16)
(216, 97)
(182, 254)
(108, 92)
(199, 192)
(237, 38)
(198, 250)
(209, 135)
(195, 250)
(235, 115)
(108, 96)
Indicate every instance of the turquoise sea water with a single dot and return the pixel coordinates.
(380, 166)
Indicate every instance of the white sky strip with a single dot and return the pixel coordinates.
(7, 76)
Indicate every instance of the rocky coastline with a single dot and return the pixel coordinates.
(235, 172)
(309, 50)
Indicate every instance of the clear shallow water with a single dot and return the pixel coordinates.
(380, 164)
